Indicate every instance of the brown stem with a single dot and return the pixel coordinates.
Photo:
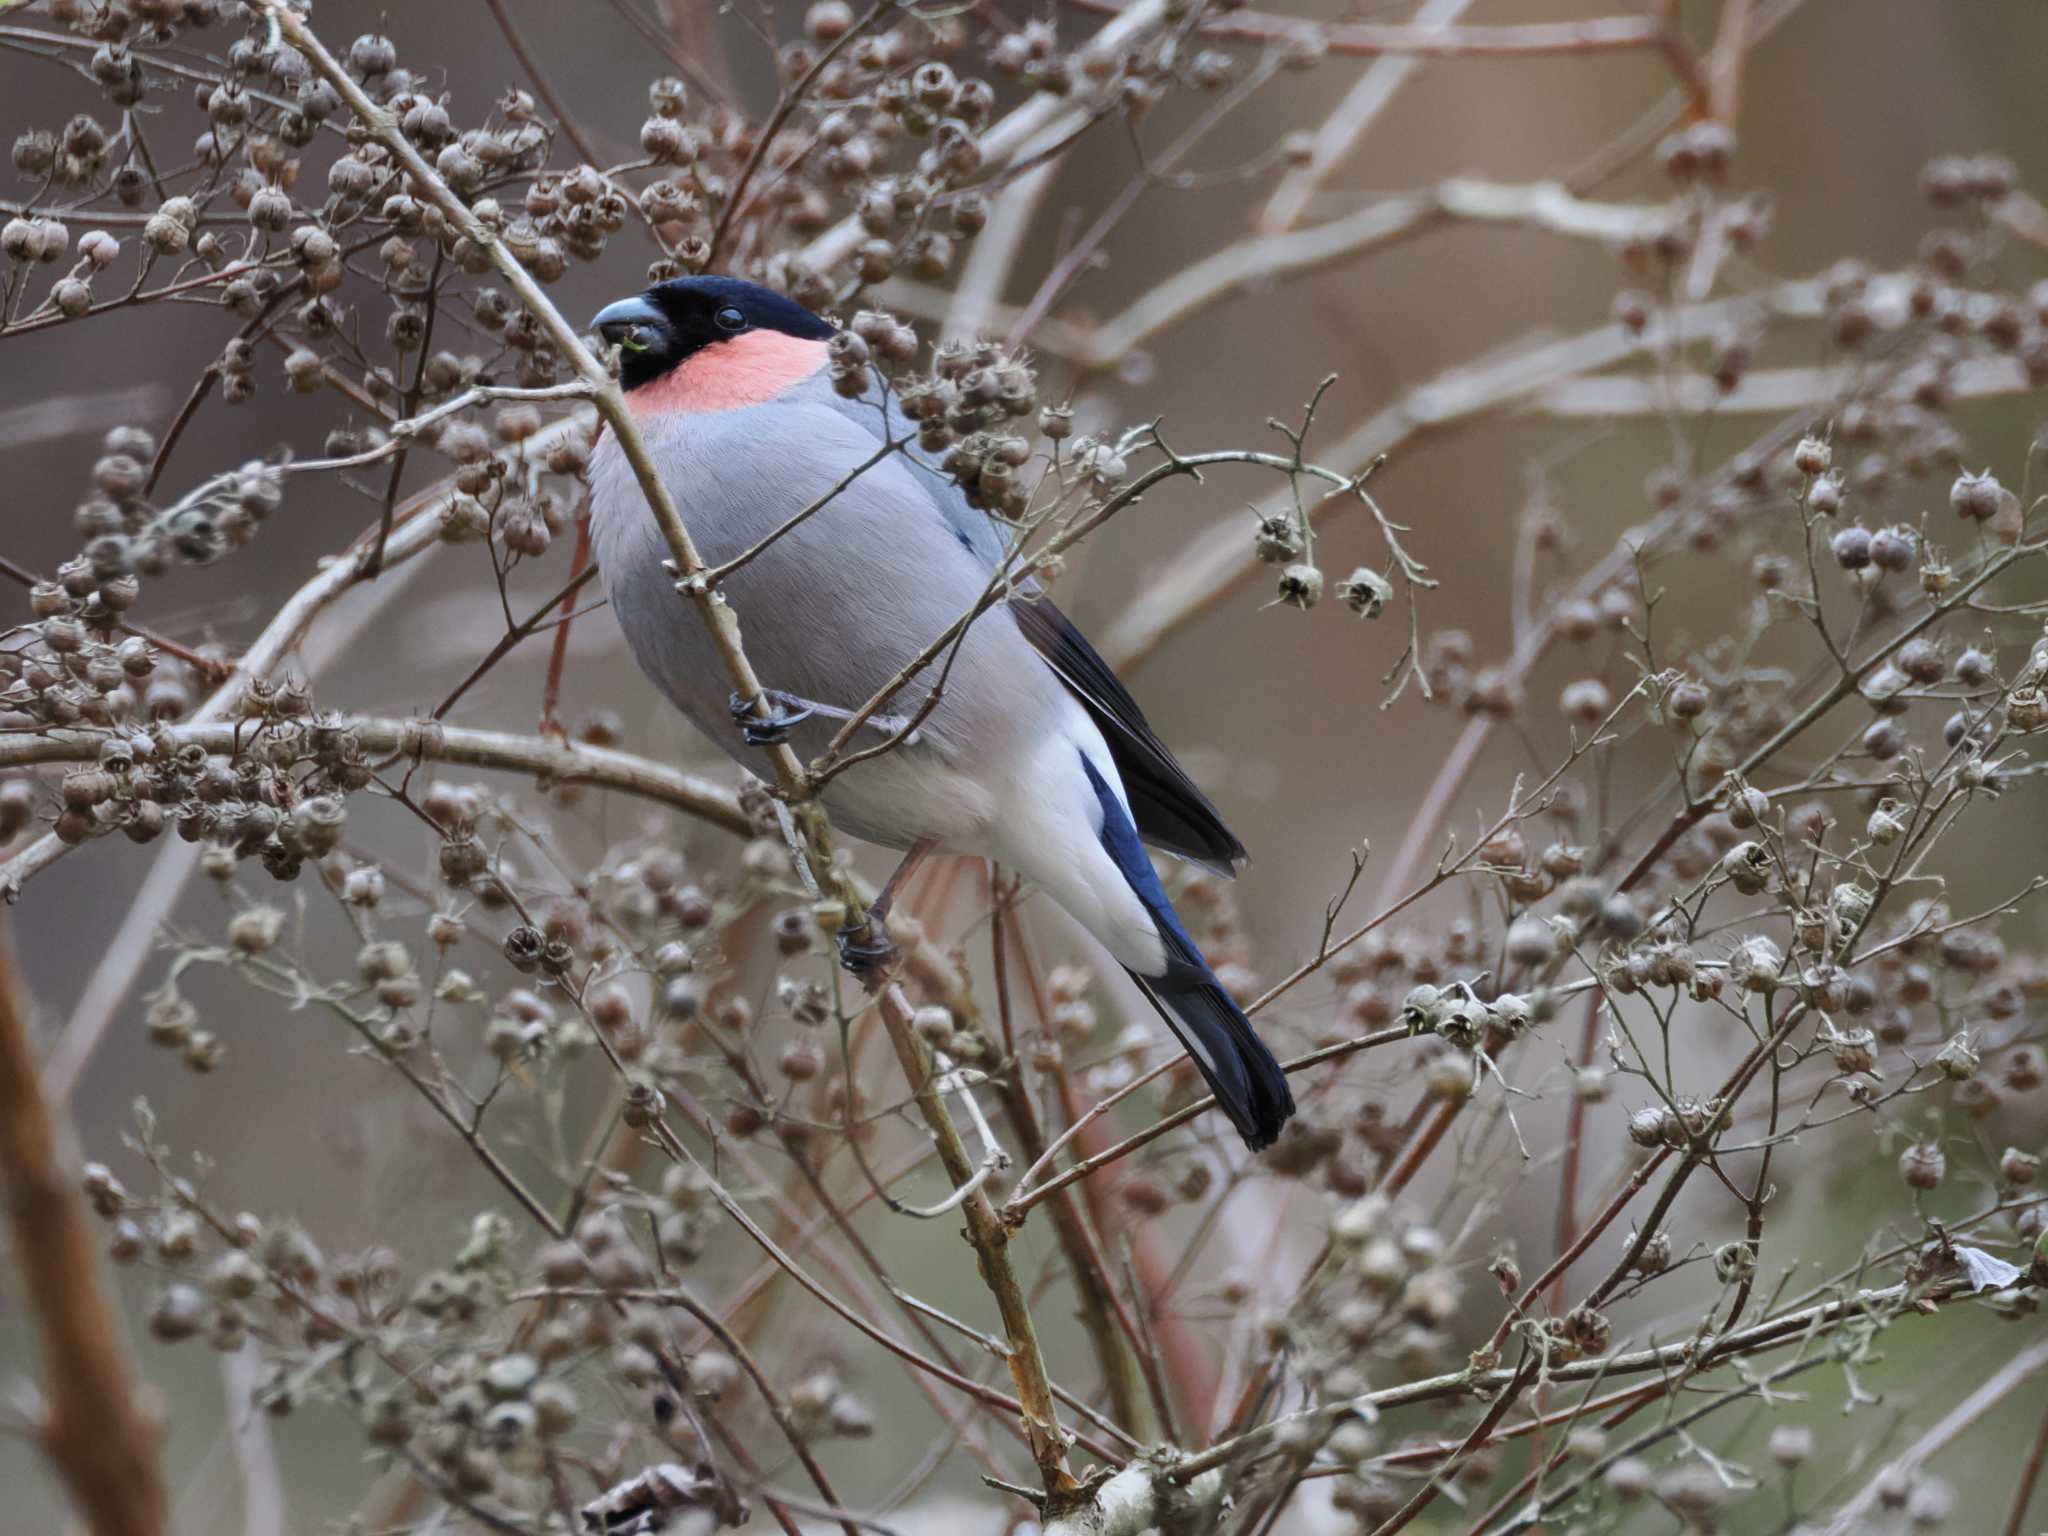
(1574, 1141)
(541, 88)
(558, 653)
(691, 43)
(1100, 1312)
(1019, 1204)
(1625, 1404)
(991, 1238)
(545, 757)
(373, 564)
(861, 1310)
(209, 375)
(212, 668)
(1416, 1152)
(1426, 1494)
(804, 1171)
(103, 1446)
(1179, 1367)
(788, 103)
(2023, 1494)
(1569, 1254)
(778, 1407)
(516, 635)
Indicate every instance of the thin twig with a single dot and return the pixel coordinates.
(541, 88)
(788, 102)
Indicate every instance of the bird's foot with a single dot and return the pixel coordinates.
(866, 949)
(783, 714)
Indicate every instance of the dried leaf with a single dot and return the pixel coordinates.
(1987, 1271)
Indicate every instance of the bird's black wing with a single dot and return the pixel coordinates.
(1171, 813)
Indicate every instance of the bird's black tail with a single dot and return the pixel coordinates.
(1234, 1061)
(1240, 1071)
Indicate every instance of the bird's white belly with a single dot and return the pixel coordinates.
(895, 804)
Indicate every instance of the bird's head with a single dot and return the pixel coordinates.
(672, 322)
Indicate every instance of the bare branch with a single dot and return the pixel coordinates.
(93, 1429)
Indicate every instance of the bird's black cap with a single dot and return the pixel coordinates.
(675, 320)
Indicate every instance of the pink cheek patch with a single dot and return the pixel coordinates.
(729, 375)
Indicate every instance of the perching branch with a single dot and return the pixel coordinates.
(92, 1425)
(548, 758)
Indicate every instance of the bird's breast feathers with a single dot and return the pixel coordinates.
(748, 370)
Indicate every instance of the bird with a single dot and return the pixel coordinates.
(1035, 756)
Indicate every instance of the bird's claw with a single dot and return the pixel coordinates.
(783, 715)
(865, 949)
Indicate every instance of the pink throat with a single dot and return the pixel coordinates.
(731, 374)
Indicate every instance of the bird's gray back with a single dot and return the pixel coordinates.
(883, 421)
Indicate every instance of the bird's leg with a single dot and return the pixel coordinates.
(781, 714)
(786, 711)
(865, 947)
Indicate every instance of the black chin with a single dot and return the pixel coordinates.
(637, 368)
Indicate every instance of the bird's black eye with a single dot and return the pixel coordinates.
(729, 318)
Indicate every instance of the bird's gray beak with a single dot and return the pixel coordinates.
(616, 322)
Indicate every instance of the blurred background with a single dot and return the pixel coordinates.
(1277, 714)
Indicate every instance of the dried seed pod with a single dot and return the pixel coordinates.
(1976, 498)
(178, 1313)
(1894, 549)
(1923, 1165)
(1812, 457)
(1585, 702)
(1300, 586)
(1853, 548)
(1747, 867)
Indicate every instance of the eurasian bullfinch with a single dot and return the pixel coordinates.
(1034, 756)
